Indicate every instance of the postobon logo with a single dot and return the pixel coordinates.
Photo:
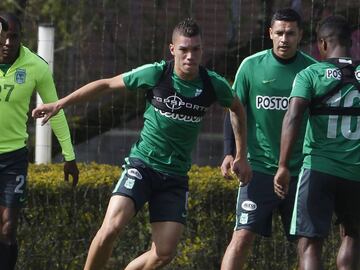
(272, 103)
(333, 73)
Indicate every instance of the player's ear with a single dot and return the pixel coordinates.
(300, 35)
(270, 33)
(323, 44)
(172, 49)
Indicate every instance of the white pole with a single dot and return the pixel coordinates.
(43, 133)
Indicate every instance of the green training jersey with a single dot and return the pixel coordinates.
(332, 142)
(27, 74)
(263, 84)
(166, 140)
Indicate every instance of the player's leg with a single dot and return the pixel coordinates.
(255, 204)
(8, 244)
(348, 256)
(237, 251)
(119, 212)
(346, 208)
(13, 171)
(313, 209)
(309, 250)
(286, 208)
(168, 211)
(129, 195)
(165, 236)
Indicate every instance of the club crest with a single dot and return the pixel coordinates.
(20, 76)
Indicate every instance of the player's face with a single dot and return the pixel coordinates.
(187, 52)
(10, 49)
(285, 36)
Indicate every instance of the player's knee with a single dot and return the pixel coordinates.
(309, 246)
(348, 254)
(8, 232)
(108, 232)
(163, 257)
(344, 261)
(242, 239)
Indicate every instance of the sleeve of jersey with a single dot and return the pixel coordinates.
(143, 77)
(47, 91)
(229, 138)
(302, 85)
(223, 91)
(241, 85)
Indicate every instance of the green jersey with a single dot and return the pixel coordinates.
(263, 83)
(332, 142)
(167, 139)
(28, 73)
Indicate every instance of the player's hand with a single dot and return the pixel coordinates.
(45, 110)
(70, 168)
(226, 166)
(242, 169)
(281, 182)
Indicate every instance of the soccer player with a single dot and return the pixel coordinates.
(178, 94)
(22, 72)
(263, 84)
(330, 177)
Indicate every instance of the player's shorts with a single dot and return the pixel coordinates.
(257, 202)
(318, 196)
(166, 194)
(13, 172)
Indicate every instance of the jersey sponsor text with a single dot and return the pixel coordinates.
(272, 102)
(175, 103)
(334, 73)
(182, 117)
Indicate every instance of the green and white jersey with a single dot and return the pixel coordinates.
(263, 83)
(332, 142)
(166, 140)
(27, 74)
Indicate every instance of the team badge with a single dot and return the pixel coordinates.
(244, 217)
(129, 184)
(198, 92)
(20, 76)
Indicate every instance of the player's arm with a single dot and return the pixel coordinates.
(240, 165)
(85, 93)
(46, 88)
(289, 133)
(229, 147)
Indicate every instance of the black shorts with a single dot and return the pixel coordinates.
(13, 172)
(318, 196)
(166, 194)
(257, 201)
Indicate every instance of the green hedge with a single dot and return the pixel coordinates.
(59, 222)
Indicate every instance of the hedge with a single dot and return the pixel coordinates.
(59, 222)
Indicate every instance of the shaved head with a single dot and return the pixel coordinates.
(186, 28)
(335, 30)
